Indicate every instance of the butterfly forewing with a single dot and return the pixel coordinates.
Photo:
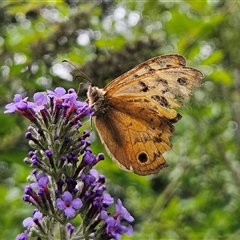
(164, 87)
(156, 63)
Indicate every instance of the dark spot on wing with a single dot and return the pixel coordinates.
(137, 100)
(182, 81)
(142, 157)
(135, 75)
(156, 155)
(157, 138)
(162, 81)
(151, 70)
(176, 119)
(164, 91)
(160, 99)
(144, 86)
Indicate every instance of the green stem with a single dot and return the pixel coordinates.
(63, 232)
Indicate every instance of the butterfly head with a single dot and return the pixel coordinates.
(97, 100)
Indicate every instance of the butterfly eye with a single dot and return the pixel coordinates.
(142, 157)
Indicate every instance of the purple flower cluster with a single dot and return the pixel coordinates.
(63, 184)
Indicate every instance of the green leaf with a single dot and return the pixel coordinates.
(221, 76)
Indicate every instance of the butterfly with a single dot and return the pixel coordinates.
(134, 114)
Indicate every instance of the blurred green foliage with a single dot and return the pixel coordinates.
(198, 196)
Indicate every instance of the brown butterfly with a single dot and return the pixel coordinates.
(134, 113)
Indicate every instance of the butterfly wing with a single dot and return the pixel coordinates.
(137, 117)
(165, 74)
(136, 144)
(156, 63)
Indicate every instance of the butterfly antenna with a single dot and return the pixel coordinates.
(79, 87)
(84, 74)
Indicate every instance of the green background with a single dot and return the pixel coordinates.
(198, 196)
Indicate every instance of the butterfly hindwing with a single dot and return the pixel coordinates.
(135, 144)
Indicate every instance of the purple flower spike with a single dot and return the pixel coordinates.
(114, 227)
(100, 157)
(22, 236)
(70, 228)
(37, 216)
(122, 211)
(103, 201)
(89, 158)
(59, 94)
(42, 179)
(88, 179)
(60, 179)
(68, 204)
(72, 97)
(40, 99)
(17, 101)
(28, 222)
